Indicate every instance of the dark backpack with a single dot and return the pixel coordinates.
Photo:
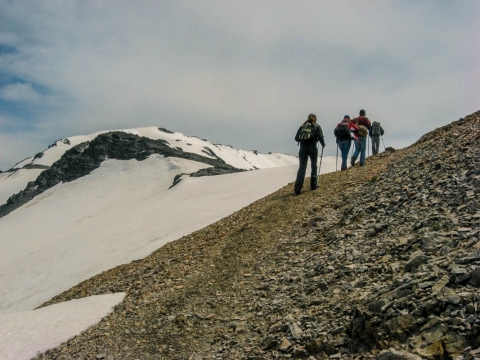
(307, 133)
(376, 131)
(342, 131)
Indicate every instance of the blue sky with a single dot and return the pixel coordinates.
(244, 73)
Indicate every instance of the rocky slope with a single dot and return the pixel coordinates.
(382, 261)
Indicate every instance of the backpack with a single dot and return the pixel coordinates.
(376, 129)
(342, 131)
(362, 130)
(307, 133)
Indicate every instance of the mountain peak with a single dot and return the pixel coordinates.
(69, 159)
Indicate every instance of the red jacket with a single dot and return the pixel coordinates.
(362, 120)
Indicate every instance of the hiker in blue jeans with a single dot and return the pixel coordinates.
(360, 149)
(345, 131)
(364, 125)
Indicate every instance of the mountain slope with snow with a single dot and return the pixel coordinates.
(71, 158)
(12, 182)
(113, 185)
(109, 201)
(121, 212)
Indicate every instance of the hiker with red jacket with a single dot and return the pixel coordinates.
(345, 132)
(361, 144)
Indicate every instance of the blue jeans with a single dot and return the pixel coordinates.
(344, 146)
(360, 148)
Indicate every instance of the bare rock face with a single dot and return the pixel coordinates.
(397, 355)
(82, 159)
(35, 166)
(381, 261)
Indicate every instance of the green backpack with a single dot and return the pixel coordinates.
(307, 133)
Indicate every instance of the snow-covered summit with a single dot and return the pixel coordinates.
(241, 159)
(28, 170)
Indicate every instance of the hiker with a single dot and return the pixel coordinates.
(344, 132)
(363, 125)
(307, 135)
(375, 132)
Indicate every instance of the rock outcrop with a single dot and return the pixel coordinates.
(381, 261)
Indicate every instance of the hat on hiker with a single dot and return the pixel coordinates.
(362, 112)
(346, 117)
(312, 116)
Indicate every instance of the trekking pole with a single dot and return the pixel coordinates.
(320, 166)
(383, 143)
(336, 160)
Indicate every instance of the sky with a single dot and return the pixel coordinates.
(243, 73)
(63, 237)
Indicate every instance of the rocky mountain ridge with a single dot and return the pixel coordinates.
(382, 261)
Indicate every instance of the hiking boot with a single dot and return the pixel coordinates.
(362, 164)
(313, 183)
(344, 168)
(297, 192)
(352, 162)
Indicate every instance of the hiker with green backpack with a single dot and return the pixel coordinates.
(375, 132)
(308, 134)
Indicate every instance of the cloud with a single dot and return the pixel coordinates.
(244, 73)
(19, 92)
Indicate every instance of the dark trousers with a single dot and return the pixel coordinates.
(307, 151)
(375, 144)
